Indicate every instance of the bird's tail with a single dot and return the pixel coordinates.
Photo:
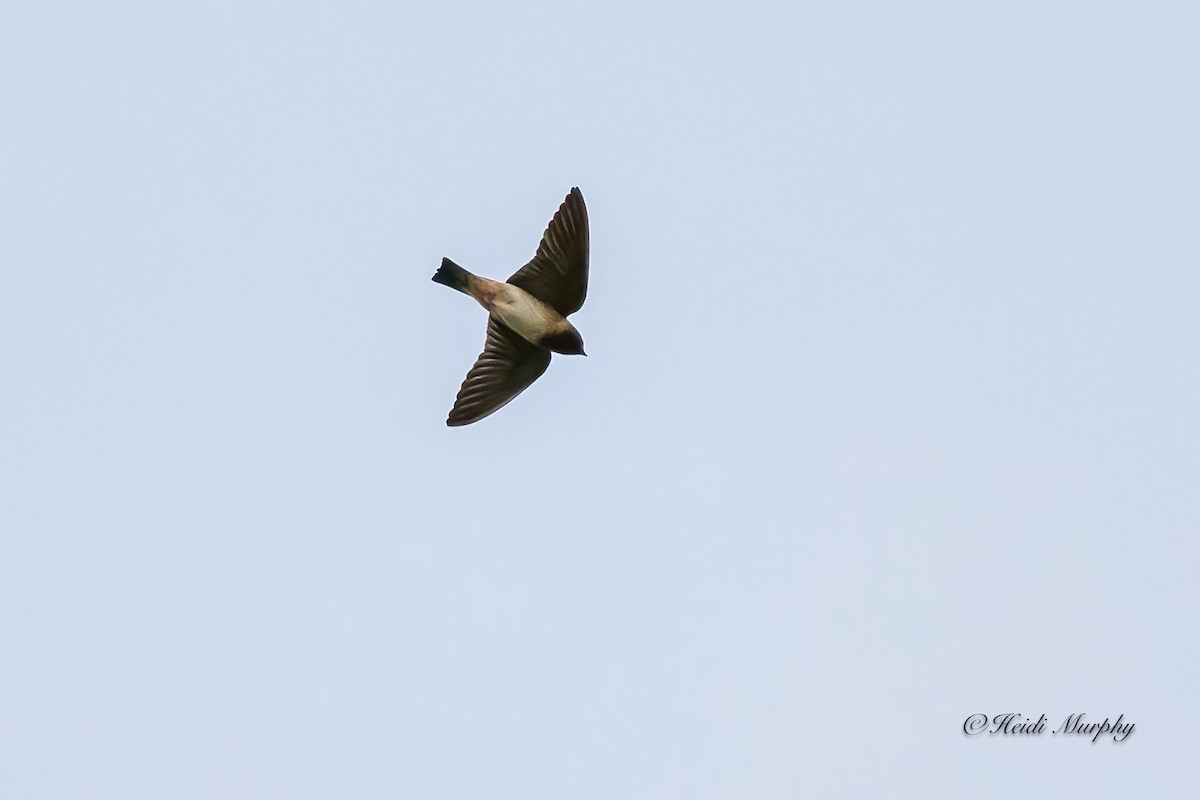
(452, 275)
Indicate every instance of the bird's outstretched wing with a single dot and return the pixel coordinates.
(505, 368)
(558, 274)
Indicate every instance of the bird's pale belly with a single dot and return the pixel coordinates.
(524, 314)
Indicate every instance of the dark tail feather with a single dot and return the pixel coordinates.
(452, 275)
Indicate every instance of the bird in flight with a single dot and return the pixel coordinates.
(527, 316)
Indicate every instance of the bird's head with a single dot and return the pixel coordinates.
(567, 341)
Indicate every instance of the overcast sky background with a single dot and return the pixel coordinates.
(890, 415)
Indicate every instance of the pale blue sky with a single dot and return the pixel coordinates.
(890, 415)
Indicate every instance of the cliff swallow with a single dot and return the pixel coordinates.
(527, 315)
